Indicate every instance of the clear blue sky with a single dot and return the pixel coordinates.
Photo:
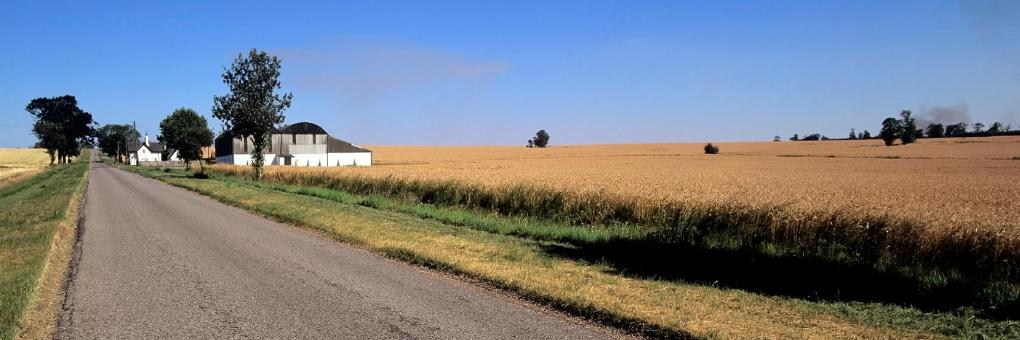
(481, 72)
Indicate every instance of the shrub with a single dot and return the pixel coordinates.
(711, 149)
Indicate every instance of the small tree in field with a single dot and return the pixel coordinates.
(252, 107)
(711, 149)
(541, 139)
(891, 130)
(908, 128)
(187, 132)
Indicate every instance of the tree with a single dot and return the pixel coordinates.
(795, 137)
(61, 126)
(187, 132)
(908, 129)
(711, 149)
(541, 139)
(935, 130)
(253, 106)
(979, 127)
(866, 134)
(853, 134)
(813, 136)
(531, 143)
(891, 129)
(956, 129)
(995, 128)
(777, 138)
(50, 137)
(112, 138)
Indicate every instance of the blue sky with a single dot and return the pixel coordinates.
(480, 72)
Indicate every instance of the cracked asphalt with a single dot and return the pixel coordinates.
(158, 261)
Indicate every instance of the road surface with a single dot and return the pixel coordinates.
(161, 262)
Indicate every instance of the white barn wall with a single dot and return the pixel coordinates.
(349, 158)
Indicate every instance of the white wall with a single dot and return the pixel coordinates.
(349, 158)
(331, 159)
(244, 159)
(144, 155)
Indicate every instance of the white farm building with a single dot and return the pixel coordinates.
(300, 144)
(149, 152)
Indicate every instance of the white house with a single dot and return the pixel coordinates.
(300, 144)
(149, 152)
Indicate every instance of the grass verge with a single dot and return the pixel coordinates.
(525, 256)
(37, 221)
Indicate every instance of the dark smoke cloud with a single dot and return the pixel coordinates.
(943, 115)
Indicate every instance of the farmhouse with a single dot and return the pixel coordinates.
(148, 152)
(299, 144)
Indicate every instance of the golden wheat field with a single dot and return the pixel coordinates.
(959, 182)
(18, 162)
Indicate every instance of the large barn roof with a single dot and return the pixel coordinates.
(303, 128)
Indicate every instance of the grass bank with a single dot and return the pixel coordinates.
(536, 259)
(37, 220)
(868, 257)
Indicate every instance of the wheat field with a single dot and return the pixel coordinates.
(20, 162)
(950, 182)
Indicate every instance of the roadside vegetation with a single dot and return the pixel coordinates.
(37, 221)
(575, 267)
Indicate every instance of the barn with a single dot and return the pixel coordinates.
(299, 144)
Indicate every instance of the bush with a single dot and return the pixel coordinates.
(711, 149)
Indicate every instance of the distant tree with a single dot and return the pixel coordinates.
(891, 130)
(909, 129)
(112, 138)
(61, 126)
(711, 149)
(187, 132)
(826, 138)
(866, 134)
(956, 130)
(935, 130)
(531, 143)
(979, 127)
(795, 137)
(252, 106)
(541, 139)
(853, 134)
(995, 128)
(813, 136)
(777, 138)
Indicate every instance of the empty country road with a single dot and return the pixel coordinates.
(158, 261)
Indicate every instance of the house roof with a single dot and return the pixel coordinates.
(303, 128)
(133, 146)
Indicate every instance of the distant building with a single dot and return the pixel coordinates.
(300, 144)
(146, 151)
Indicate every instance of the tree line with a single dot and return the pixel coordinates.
(906, 130)
(61, 127)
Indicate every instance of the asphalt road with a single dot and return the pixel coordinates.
(161, 262)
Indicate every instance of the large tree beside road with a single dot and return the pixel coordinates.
(61, 126)
(187, 132)
(252, 107)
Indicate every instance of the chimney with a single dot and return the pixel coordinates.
(146, 139)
